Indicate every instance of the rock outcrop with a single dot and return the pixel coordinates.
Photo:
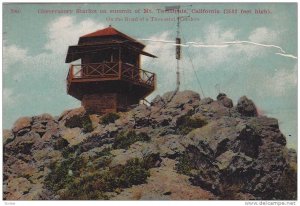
(180, 148)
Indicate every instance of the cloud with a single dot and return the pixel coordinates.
(218, 45)
(264, 35)
(243, 55)
(163, 50)
(164, 64)
(280, 82)
(13, 54)
(65, 31)
(9, 97)
(62, 32)
(214, 34)
(43, 75)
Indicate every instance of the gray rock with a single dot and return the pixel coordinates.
(43, 118)
(8, 136)
(23, 123)
(292, 156)
(206, 100)
(236, 155)
(227, 102)
(23, 144)
(246, 107)
(66, 115)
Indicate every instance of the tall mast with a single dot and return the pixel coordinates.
(178, 45)
(178, 51)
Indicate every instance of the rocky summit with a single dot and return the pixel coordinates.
(180, 148)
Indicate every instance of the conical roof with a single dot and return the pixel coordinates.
(109, 31)
(102, 39)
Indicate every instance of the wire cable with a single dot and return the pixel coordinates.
(193, 67)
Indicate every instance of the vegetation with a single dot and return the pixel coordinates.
(105, 152)
(185, 164)
(86, 124)
(288, 184)
(109, 118)
(230, 191)
(69, 151)
(81, 121)
(59, 176)
(72, 179)
(186, 123)
(60, 143)
(124, 140)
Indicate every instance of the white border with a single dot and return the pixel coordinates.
(133, 203)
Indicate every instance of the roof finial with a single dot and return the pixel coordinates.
(110, 25)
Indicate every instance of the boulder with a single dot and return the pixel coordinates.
(22, 125)
(17, 188)
(168, 146)
(23, 144)
(43, 118)
(246, 107)
(69, 114)
(8, 136)
(227, 102)
(213, 151)
(73, 135)
(176, 101)
(23, 169)
(206, 100)
(47, 156)
(95, 119)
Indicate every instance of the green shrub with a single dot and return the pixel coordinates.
(105, 152)
(288, 184)
(230, 191)
(124, 140)
(81, 121)
(59, 176)
(86, 124)
(101, 162)
(69, 151)
(185, 164)
(151, 160)
(134, 173)
(109, 118)
(74, 121)
(186, 123)
(60, 143)
(75, 179)
(93, 186)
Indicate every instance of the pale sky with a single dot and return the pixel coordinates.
(35, 46)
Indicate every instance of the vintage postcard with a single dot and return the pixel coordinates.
(150, 101)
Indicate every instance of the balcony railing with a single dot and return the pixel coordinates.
(110, 71)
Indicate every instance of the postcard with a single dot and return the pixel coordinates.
(150, 101)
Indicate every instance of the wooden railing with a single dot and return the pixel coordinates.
(110, 70)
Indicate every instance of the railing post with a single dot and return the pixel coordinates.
(154, 81)
(120, 64)
(120, 69)
(71, 71)
(132, 73)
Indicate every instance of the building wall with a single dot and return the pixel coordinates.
(108, 102)
(100, 103)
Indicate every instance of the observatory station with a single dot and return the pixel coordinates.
(109, 78)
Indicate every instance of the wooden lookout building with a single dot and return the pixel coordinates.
(109, 78)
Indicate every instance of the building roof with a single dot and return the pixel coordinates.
(89, 42)
(109, 31)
